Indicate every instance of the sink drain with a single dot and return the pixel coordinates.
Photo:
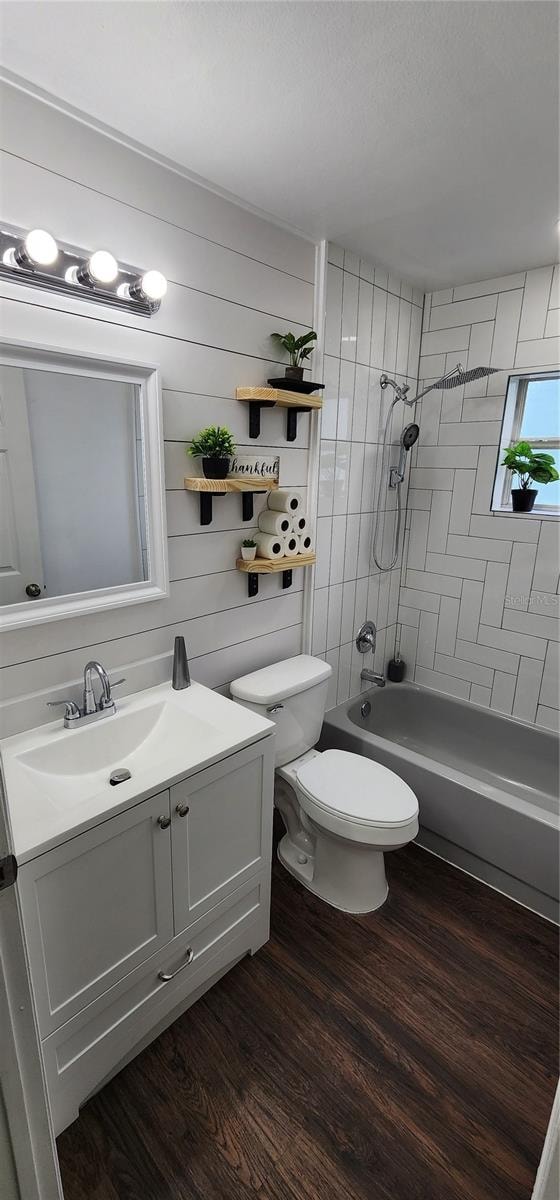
(119, 776)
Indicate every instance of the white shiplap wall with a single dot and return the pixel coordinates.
(479, 601)
(233, 279)
(372, 325)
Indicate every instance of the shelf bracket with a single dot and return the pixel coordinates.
(252, 584)
(286, 579)
(255, 415)
(206, 499)
(247, 503)
(206, 508)
(291, 422)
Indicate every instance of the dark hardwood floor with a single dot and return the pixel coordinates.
(406, 1055)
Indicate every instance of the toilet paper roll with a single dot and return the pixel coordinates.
(285, 500)
(291, 545)
(277, 523)
(300, 523)
(269, 545)
(305, 544)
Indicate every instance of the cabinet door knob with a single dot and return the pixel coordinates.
(182, 810)
(164, 822)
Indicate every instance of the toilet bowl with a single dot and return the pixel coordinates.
(342, 812)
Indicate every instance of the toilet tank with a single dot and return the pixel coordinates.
(296, 689)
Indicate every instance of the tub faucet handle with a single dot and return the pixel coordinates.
(366, 638)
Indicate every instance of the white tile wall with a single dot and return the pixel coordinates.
(373, 324)
(233, 279)
(496, 630)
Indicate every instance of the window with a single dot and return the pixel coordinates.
(532, 414)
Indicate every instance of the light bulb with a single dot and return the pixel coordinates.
(154, 285)
(40, 247)
(103, 267)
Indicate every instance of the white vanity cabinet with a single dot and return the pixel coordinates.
(96, 907)
(132, 920)
(222, 836)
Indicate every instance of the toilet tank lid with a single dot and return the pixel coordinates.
(281, 680)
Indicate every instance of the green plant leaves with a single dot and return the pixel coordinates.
(297, 348)
(213, 442)
(529, 465)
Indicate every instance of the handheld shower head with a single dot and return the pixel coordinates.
(409, 436)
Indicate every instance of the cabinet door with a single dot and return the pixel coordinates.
(96, 907)
(224, 835)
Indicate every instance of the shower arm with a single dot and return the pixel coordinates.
(433, 386)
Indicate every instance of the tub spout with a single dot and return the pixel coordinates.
(373, 677)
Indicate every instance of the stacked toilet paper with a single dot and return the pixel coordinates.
(283, 526)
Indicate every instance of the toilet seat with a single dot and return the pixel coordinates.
(357, 798)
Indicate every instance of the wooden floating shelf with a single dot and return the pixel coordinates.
(270, 566)
(207, 488)
(267, 397)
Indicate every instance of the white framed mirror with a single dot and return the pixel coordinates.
(82, 493)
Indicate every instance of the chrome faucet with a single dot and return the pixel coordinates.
(91, 710)
(106, 701)
(373, 677)
(365, 641)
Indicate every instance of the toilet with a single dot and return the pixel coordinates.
(342, 811)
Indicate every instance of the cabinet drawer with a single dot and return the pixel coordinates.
(222, 830)
(81, 1054)
(96, 907)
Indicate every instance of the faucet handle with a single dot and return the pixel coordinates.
(72, 712)
(107, 701)
(366, 638)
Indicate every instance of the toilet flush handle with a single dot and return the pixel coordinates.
(274, 708)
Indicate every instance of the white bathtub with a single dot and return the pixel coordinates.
(487, 785)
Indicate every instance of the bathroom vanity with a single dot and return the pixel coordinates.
(136, 897)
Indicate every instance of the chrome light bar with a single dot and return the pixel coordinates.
(36, 259)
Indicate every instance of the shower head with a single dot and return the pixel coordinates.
(459, 376)
(455, 378)
(409, 436)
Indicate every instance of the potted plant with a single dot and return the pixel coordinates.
(215, 446)
(528, 465)
(248, 549)
(298, 348)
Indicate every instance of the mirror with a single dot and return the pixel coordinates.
(81, 485)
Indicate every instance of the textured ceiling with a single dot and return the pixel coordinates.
(423, 135)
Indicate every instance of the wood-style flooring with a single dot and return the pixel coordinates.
(406, 1055)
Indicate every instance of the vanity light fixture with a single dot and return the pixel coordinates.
(100, 268)
(38, 249)
(36, 259)
(151, 286)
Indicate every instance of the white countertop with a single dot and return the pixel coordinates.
(185, 731)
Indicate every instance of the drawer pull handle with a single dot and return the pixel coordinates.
(181, 810)
(164, 822)
(165, 976)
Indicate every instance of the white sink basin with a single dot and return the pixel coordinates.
(57, 780)
(101, 745)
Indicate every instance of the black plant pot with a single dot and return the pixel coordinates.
(215, 468)
(294, 372)
(522, 499)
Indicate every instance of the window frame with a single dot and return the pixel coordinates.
(512, 419)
